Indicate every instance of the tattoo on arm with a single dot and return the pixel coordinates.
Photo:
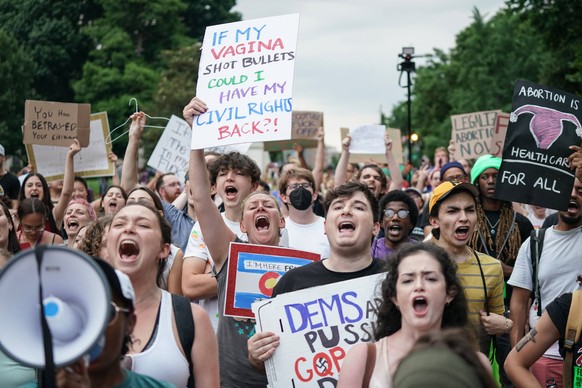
(531, 336)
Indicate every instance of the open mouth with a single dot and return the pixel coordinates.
(230, 191)
(262, 223)
(420, 305)
(346, 226)
(73, 224)
(128, 250)
(573, 206)
(462, 232)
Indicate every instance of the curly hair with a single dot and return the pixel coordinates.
(234, 161)
(399, 196)
(389, 319)
(91, 243)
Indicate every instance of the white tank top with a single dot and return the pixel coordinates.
(163, 360)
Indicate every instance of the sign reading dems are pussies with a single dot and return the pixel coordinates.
(317, 327)
(543, 123)
(246, 79)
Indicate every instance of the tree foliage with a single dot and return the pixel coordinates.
(103, 52)
(478, 74)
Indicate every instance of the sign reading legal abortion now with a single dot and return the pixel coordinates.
(246, 80)
(253, 272)
(317, 326)
(472, 133)
(543, 123)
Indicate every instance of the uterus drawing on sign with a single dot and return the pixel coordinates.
(546, 124)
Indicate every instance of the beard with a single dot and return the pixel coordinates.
(570, 221)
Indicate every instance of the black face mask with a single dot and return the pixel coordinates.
(300, 198)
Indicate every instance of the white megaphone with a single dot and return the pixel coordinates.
(75, 302)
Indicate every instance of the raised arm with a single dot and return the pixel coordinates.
(216, 234)
(341, 169)
(319, 159)
(393, 166)
(129, 169)
(68, 182)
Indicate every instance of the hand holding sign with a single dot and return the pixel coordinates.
(576, 161)
(194, 108)
(261, 346)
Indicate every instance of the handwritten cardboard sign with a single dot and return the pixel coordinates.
(304, 129)
(253, 272)
(317, 326)
(498, 139)
(472, 133)
(56, 123)
(172, 152)
(92, 161)
(397, 151)
(246, 80)
(543, 123)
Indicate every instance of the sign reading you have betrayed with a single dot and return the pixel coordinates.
(535, 169)
(246, 80)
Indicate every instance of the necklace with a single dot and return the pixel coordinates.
(492, 226)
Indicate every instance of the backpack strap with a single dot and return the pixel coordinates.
(370, 364)
(186, 329)
(572, 335)
(536, 244)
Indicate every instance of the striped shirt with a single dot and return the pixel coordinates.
(470, 278)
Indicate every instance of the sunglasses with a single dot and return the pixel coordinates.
(402, 214)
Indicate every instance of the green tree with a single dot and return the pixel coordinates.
(16, 65)
(561, 31)
(49, 31)
(478, 74)
(204, 13)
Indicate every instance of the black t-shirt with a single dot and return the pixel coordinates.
(316, 274)
(558, 311)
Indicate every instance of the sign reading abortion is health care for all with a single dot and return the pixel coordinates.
(543, 123)
(246, 80)
(317, 327)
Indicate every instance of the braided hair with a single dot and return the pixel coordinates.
(511, 247)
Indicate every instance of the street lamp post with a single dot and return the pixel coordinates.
(407, 66)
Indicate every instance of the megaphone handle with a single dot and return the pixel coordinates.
(48, 374)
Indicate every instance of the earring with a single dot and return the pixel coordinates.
(397, 306)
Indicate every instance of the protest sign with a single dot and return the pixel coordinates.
(246, 80)
(242, 148)
(253, 272)
(172, 152)
(543, 123)
(92, 161)
(397, 151)
(472, 133)
(317, 326)
(304, 129)
(498, 139)
(56, 123)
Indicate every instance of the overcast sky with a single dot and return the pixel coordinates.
(347, 50)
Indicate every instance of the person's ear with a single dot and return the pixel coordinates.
(451, 294)
(376, 228)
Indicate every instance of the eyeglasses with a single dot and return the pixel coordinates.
(30, 229)
(402, 214)
(114, 312)
(305, 185)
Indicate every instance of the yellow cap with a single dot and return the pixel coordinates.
(446, 188)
